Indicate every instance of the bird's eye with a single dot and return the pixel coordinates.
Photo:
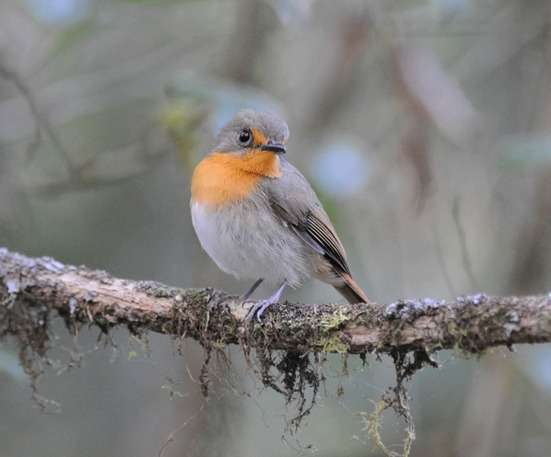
(245, 137)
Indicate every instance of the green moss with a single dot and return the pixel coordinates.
(463, 345)
(372, 426)
(334, 321)
(156, 289)
(329, 340)
(332, 344)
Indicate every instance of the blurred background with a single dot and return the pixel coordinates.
(423, 125)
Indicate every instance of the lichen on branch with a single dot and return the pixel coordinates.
(287, 342)
(38, 286)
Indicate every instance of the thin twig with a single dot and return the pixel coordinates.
(465, 257)
(41, 122)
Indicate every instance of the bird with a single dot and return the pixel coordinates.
(257, 217)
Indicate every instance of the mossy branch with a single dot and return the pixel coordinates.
(32, 288)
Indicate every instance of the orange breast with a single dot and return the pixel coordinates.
(220, 179)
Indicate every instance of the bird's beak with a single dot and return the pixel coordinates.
(276, 148)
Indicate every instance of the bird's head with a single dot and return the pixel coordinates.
(250, 131)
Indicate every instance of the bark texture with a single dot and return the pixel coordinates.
(33, 289)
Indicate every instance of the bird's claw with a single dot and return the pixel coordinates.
(260, 306)
(257, 310)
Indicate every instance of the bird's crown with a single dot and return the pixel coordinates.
(250, 129)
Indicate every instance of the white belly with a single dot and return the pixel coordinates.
(246, 241)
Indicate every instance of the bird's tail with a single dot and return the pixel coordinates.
(351, 291)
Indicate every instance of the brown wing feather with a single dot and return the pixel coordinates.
(294, 202)
(317, 234)
(324, 235)
(351, 291)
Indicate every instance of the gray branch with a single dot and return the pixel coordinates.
(34, 289)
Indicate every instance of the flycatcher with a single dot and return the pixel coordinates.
(257, 216)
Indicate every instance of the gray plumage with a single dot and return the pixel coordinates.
(247, 241)
(272, 126)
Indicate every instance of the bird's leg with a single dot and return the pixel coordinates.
(259, 308)
(247, 294)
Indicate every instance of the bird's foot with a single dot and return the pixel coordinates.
(249, 292)
(257, 310)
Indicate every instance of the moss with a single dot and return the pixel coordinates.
(155, 289)
(198, 295)
(29, 326)
(332, 344)
(329, 340)
(372, 426)
(334, 321)
(195, 313)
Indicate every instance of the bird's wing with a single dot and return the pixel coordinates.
(295, 202)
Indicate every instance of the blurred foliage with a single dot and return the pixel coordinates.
(425, 128)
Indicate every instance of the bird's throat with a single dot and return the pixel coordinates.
(221, 179)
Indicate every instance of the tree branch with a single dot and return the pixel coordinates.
(32, 288)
